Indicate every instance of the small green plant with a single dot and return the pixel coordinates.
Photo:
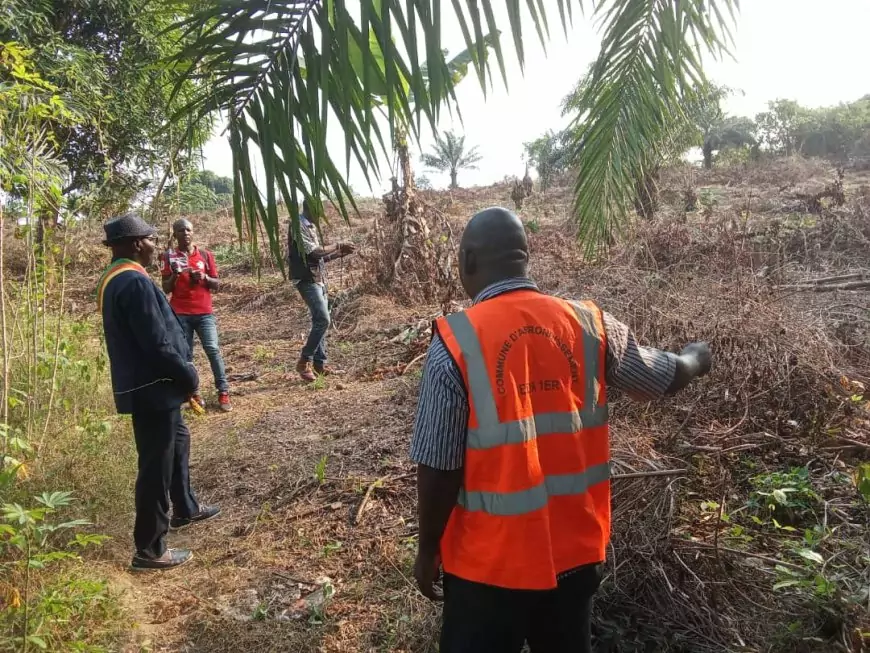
(318, 609)
(533, 225)
(330, 548)
(263, 354)
(320, 469)
(231, 254)
(319, 383)
(784, 497)
(709, 200)
(261, 611)
(862, 481)
(31, 541)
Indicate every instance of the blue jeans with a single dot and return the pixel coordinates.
(314, 295)
(205, 326)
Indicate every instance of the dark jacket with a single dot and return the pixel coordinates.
(147, 348)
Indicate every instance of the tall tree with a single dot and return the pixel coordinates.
(450, 156)
(106, 59)
(728, 132)
(778, 126)
(252, 51)
(549, 155)
(707, 126)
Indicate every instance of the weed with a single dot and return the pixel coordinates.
(533, 225)
(261, 611)
(330, 548)
(318, 384)
(263, 354)
(785, 497)
(320, 469)
(231, 254)
(33, 541)
(862, 481)
(318, 610)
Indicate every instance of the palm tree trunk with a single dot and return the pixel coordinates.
(646, 201)
(708, 156)
(453, 175)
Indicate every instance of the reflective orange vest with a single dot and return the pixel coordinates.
(535, 500)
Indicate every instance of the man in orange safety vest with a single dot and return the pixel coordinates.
(512, 446)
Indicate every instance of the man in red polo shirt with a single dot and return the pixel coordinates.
(190, 275)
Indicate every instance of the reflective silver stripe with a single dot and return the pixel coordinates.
(565, 484)
(506, 504)
(591, 358)
(540, 425)
(480, 392)
(490, 432)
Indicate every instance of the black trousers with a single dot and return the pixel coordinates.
(163, 444)
(485, 619)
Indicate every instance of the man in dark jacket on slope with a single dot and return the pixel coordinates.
(151, 378)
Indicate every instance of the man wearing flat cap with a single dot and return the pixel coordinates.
(151, 378)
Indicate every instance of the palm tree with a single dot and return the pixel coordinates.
(283, 71)
(450, 156)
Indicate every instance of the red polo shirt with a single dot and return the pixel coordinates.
(189, 298)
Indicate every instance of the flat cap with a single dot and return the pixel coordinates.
(126, 226)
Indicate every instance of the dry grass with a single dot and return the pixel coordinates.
(291, 465)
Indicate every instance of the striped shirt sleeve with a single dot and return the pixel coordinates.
(441, 424)
(440, 427)
(643, 373)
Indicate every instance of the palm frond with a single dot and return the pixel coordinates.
(285, 71)
(649, 61)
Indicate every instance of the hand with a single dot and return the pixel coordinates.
(197, 275)
(346, 248)
(426, 571)
(193, 378)
(700, 353)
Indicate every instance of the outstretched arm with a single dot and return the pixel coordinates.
(646, 373)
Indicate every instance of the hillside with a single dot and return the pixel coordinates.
(751, 537)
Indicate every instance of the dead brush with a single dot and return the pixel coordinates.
(681, 577)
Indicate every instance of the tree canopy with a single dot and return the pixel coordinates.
(107, 59)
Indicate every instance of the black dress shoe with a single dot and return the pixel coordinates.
(172, 558)
(205, 513)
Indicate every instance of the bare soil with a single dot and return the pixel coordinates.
(293, 565)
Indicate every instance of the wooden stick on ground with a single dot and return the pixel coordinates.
(657, 472)
(853, 443)
(852, 285)
(408, 366)
(703, 545)
(376, 483)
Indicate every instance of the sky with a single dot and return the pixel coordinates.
(804, 50)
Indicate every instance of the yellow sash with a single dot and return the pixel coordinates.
(116, 268)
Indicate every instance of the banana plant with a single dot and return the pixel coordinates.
(283, 71)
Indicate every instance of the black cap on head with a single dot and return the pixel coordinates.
(126, 227)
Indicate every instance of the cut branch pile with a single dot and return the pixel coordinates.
(415, 249)
(690, 569)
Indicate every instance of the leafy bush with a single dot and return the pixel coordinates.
(32, 541)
